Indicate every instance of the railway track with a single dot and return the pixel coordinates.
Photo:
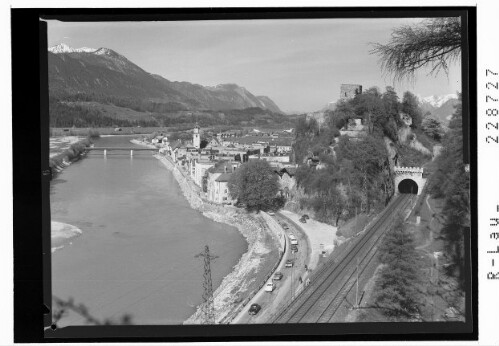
(321, 299)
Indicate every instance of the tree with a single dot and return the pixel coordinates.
(370, 106)
(410, 106)
(255, 184)
(433, 43)
(62, 307)
(452, 182)
(391, 102)
(338, 117)
(433, 128)
(369, 159)
(397, 286)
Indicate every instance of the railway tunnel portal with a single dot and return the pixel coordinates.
(409, 179)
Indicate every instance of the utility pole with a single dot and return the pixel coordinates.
(208, 304)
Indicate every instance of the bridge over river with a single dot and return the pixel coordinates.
(130, 149)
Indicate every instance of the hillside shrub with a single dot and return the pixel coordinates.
(410, 157)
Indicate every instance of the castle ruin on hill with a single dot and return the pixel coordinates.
(348, 91)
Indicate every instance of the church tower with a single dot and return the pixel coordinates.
(196, 141)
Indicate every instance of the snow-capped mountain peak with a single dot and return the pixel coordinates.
(105, 51)
(85, 50)
(437, 101)
(64, 48)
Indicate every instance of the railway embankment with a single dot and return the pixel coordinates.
(331, 283)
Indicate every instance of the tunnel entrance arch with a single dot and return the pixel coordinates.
(409, 179)
(408, 186)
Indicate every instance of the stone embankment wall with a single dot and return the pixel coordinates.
(276, 229)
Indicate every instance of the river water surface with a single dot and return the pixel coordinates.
(136, 252)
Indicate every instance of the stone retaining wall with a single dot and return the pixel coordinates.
(276, 229)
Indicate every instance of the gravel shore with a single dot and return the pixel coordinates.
(60, 233)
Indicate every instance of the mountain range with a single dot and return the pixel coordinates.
(102, 71)
(440, 107)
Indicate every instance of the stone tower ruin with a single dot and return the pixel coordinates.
(348, 91)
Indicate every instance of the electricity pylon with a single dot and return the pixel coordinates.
(208, 307)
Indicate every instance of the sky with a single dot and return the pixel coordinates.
(298, 63)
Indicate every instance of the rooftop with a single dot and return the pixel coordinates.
(224, 177)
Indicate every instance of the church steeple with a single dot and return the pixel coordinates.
(196, 141)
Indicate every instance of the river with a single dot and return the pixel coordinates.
(136, 252)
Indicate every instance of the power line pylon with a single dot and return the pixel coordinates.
(208, 304)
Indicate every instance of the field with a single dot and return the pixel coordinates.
(84, 131)
(113, 111)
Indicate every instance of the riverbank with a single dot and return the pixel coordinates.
(139, 142)
(71, 149)
(60, 233)
(250, 272)
(58, 145)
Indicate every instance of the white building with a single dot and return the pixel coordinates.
(196, 139)
(200, 168)
(217, 184)
(165, 142)
(354, 129)
(220, 191)
(270, 158)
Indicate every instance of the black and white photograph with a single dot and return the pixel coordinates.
(269, 169)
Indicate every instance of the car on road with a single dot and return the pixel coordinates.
(269, 287)
(294, 248)
(289, 263)
(277, 276)
(254, 308)
(293, 239)
(271, 213)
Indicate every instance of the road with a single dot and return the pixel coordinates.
(271, 302)
(329, 286)
(320, 237)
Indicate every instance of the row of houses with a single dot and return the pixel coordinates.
(212, 166)
(264, 144)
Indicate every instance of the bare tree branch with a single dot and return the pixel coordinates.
(434, 43)
(62, 307)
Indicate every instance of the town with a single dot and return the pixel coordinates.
(213, 205)
(232, 148)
